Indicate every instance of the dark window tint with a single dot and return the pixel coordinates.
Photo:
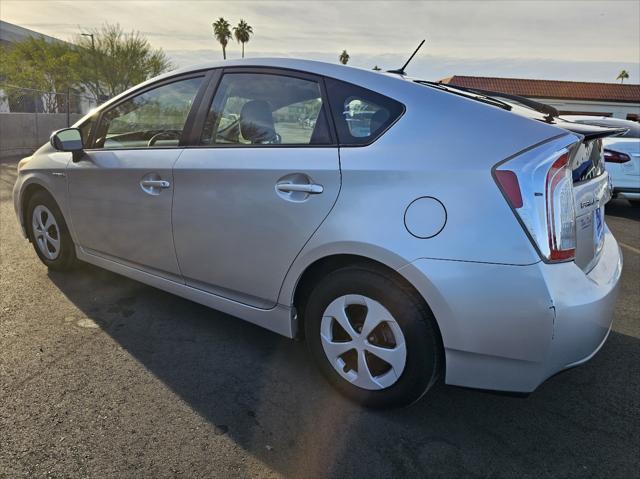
(591, 164)
(153, 119)
(266, 109)
(360, 115)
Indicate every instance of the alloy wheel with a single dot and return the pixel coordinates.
(363, 342)
(46, 232)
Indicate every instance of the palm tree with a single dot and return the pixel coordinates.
(243, 33)
(344, 57)
(622, 76)
(222, 33)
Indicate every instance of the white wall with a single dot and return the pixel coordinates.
(23, 133)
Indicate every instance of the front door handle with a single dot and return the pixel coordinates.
(312, 188)
(155, 183)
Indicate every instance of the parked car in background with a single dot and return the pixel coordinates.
(416, 231)
(621, 154)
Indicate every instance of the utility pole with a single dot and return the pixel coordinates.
(95, 70)
(68, 107)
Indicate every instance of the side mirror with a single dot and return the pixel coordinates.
(68, 139)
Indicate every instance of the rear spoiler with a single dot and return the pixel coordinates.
(590, 132)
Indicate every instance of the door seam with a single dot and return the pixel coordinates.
(173, 236)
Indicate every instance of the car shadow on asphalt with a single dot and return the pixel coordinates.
(263, 392)
(622, 209)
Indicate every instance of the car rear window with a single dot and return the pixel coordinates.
(361, 116)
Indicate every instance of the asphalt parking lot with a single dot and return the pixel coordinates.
(101, 376)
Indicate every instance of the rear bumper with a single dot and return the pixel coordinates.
(509, 328)
(584, 308)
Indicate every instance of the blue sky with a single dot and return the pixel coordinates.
(581, 40)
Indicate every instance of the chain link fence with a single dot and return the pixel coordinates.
(28, 116)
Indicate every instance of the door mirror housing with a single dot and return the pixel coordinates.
(67, 139)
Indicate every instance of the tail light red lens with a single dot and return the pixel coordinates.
(508, 182)
(539, 187)
(611, 156)
(561, 217)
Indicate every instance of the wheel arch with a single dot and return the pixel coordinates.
(27, 193)
(319, 268)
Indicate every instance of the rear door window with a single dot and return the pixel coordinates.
(361, 116)
(256, 109)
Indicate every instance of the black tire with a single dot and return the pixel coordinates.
(635, 203)
(416, 321)
(66, 258)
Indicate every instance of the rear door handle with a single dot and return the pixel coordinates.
(312, 189)
(155, 183)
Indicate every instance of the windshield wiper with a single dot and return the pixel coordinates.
(475, 95)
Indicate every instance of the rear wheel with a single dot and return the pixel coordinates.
(48, 233)
(372, 337)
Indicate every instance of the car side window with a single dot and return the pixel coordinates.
(153, 119)
(360, 115)
(266, 109)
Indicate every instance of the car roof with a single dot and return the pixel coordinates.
(357, 75)
(376, 80)
(311, 66)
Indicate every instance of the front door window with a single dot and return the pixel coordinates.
(153, 119)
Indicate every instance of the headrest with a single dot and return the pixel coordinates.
(256, 122)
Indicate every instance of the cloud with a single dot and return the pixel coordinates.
(435, 67)
(581, 40)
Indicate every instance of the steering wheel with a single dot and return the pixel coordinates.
(164, 135)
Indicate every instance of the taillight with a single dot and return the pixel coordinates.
(611, 156)
(561, 216)
(539, 187)
(508, 182)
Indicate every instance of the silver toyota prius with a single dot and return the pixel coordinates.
(407, 230)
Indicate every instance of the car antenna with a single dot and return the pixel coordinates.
(400, 71)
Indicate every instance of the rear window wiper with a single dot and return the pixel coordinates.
(543, 108)
(467, 93)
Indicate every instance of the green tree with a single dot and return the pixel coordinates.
(622, 76)
(344, 57)
(116, 61)
(37, 64)
(243, 33)
(222, 33)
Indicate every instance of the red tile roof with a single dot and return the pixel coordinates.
(566, 90)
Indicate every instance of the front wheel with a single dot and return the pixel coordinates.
(49, 234)
(373, 338)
